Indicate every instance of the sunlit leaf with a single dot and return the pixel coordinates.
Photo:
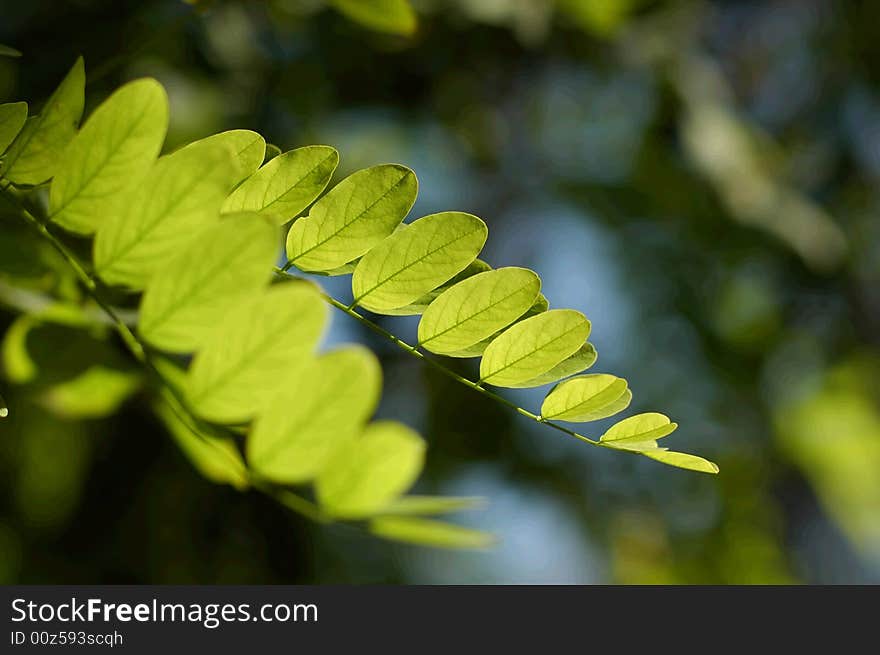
(364, 476)
(110, 155)
(420, 257)
(180, 195)
(580, 361)
(285, 186)
(586, 398)
(419, 305)
(12, 118)
(432, 505)
(477, 308)
(97, 392)
(248, 148)
(251, 352)
(682, 460)
(325, 406)
(354, 216)
(392, 16)
(633, 432)
(36, 153)
(191, 295)
(533, 346)
(426, 532)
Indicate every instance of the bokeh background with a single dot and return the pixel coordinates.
(702, 179)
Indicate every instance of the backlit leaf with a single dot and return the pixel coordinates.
(580, 361)
(354, 216)
(420, 257)
(533, 346)
(248, 147)
(426, 532)
(110, 155)
(35, 154)
(12, 118)
(392, 16)
(682, 460)
(638, 432)
(180, 195)
(477, 308)
(586, 398)
(285, 186)
(325, 406)
(364, 476)
(419, 305)
(194, 292)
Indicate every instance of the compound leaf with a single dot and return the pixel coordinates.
(36, 153)
(12, 118)
(580, 361)
(285, 186)
(586, 398)
(533, 346)
(426, 532)
(639, 432)
(180, 195)
(416, 259)
(477, 308)
(193, 293)
(111, 155)
(248, 148)
(364, 476)
(354, 216)
(324, 407)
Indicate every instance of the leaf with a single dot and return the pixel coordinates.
(416, 259)
(353, 217)
(252, 350)
(272, 151)
(419, 305)
(533, 346)
(12, 118)
(248, 147)
(288, 184)
(194, 292)
(180, 195)
(97, 392)
(580, 361)
(477, 308)
(425, 532)
(324, 407)
(638, 432)
(36, 154)
(586, 398)
(111, 154)
(215, 458)
(682, 460)
(392, 16)
(431, 505)
(6, 51)
(365, 476)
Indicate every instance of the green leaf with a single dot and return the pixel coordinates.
(12, 118)
(110, 155)
(419, 305)
(6, 51)
(432, 505)
(215, 458)
(272, 151)
(586, 398)
(324, 407)
(36, 154)
(180, 196)
(639, 432)
(580, 361)
(477, 308)
(425, 532)
(682, 460)
(248, 148)
(97, 392)
(253, 350)
(288, 184)
(353, 217)
(392, 16)
(533, 346)
(195, 291)
(363, 477)
(417, 259)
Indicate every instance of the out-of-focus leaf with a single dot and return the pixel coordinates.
(325, 407)
(392, 16)
(254, 350)
(586, 398)
(35, 154)
(426, 532)
(96, 392)
(110, 155)
(194, 292)
(533, 346)
(364, 476)
(432, 505)
(285, 186)
(352, 218)
(6, 51)
(12, 118)
(416, 259)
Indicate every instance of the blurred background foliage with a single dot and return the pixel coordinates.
(700, 178)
